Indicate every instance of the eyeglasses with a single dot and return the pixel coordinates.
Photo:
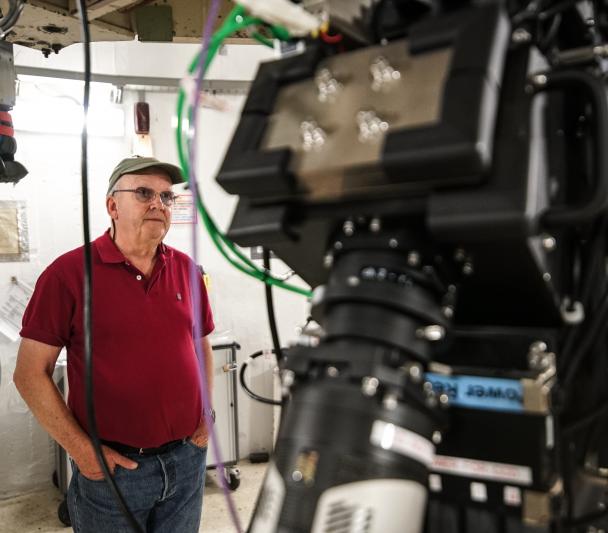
(146, 195)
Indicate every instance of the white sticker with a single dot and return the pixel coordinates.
(402, 441)
(435, 484)
(479, 492)
(506, 473)
(512, 496)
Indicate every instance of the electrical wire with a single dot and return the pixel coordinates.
(8, 22)
(250, 393)
(331, 39)
(270, 308)
(594, 329)
(585, 420)
(236, 21)
(88, 281)
(195, 277)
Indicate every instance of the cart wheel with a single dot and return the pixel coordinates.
(55, 479)
(234, 478)
(63, 513)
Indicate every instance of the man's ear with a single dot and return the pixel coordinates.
(111, 207)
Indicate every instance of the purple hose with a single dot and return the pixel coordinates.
(195, 277)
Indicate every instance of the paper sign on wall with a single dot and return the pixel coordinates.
(183, 211)
(14, 239)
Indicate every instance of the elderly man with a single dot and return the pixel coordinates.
(146, 373)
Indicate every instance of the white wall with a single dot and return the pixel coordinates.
(52, 193)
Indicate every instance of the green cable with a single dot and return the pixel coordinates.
(217, 39)
(221, 241)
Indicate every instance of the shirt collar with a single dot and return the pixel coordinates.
(109, 252)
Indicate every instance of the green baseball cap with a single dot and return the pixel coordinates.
(136, 163)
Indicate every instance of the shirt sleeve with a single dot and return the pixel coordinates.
(48, 315)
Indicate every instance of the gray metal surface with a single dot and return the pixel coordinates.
(342, 162)
(7, 79)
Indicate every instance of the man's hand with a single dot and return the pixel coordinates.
(91, 469)
(200, 437)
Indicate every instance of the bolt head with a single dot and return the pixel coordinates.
(413, 259)
(332, 372)
(353, 281)
(520, 36)
(549, 243)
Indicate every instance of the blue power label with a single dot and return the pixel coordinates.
(495, 394)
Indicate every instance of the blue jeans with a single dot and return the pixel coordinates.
(164, 493)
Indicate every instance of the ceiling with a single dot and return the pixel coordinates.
(50, 25)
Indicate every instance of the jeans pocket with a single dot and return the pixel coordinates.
(202, 449)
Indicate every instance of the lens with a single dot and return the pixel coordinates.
(144, 194)
(167, 198)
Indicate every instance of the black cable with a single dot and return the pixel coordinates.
(249, 392)
(88, 280)
(587, 419)
(270, 308)
(597, 323)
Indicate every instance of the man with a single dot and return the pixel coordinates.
(146, 373)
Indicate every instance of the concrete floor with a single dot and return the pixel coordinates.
(36, 512)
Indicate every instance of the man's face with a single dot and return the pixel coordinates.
(137, 220)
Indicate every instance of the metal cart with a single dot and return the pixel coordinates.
(226, 422)
(226, 411)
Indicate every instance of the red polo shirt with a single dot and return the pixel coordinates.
(145, 367)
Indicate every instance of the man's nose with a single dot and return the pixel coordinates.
(156, 203)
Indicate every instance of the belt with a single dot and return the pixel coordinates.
(126, 449)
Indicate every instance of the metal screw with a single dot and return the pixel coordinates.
(548, 242)
(288, 377)
(444, 400)
(312, 135)
(348, 228)
(369, 386)
(415, 372)
(448, 311)
(332, 372)
(460, 255)
(540, 80)
(338, 245)
(538, 347)
(297, 476)
(353, 281)
(431, 401)
(520, 36)
(413, 259)
(328, 261)
(431, 333)
(547, 276)
(437, 437)
(390, 401)
(375, 225)
(467, 269)
(393, 243)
